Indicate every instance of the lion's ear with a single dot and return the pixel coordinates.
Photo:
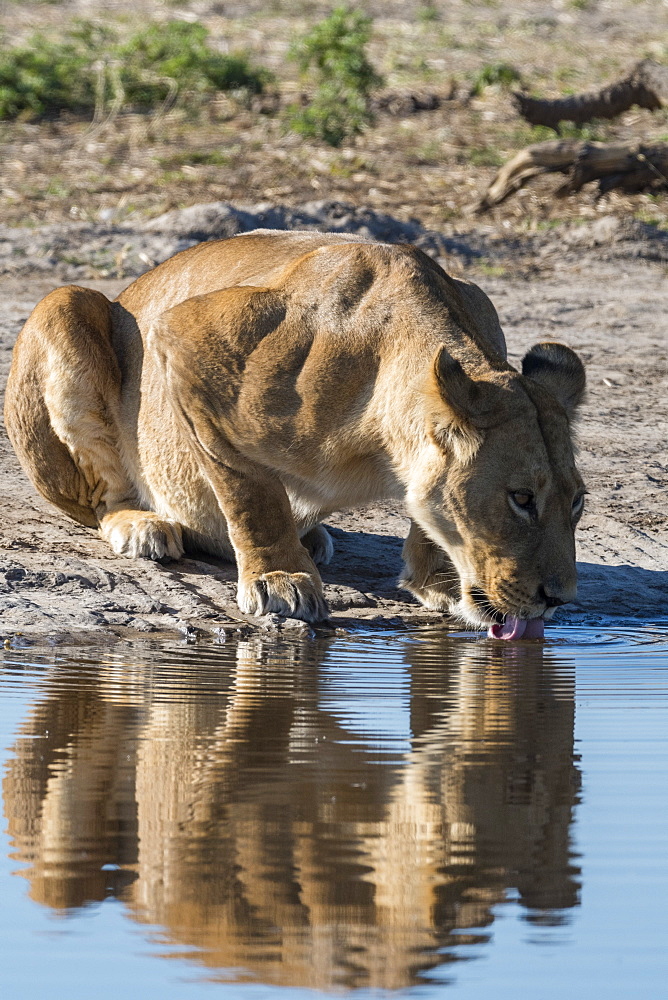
(458, 405)
(559, 370)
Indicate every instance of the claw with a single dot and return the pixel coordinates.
(294, 595)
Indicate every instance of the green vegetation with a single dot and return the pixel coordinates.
(178, 51)
(428, 12)
(495, 74)
(46, 75)
(522, 134)
(650, 217)
(484, 156)
(491, 270)
(334, 52)
(89, 66)
(430, 152)
(212, 158)
(593, 131)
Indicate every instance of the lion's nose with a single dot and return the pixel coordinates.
(552, 596)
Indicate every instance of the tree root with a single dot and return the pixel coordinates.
(628, 166)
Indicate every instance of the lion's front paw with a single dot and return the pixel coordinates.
(141, 534)
(295, 595)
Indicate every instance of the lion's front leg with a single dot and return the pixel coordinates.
(200, 349)
(276, 573)
(428, 572)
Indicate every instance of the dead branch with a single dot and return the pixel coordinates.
(632, 167)
(646, 85)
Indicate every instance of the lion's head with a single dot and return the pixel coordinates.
(506, 499)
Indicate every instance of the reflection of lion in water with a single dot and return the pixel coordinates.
(255, 826)
(241, 391)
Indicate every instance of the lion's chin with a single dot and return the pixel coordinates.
(470, 615)
(512, 627)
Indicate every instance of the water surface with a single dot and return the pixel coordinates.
(413, 815)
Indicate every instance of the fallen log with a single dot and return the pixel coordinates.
(629, 166)
(646, 86)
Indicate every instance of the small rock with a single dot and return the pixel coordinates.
(17, 641)
(141, 625)
(188, 631)
(295, 623)
(605, 229)
(213, 220)
(271, 621)
(243, 631)
(278, 623)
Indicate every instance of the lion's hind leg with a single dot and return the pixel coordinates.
(141, 534)
(61, 409)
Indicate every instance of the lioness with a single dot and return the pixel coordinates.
(236, 394)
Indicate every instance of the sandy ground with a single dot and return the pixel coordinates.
(58, 581)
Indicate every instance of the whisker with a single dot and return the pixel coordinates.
(438, 583)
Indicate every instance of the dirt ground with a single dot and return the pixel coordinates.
(603, 290)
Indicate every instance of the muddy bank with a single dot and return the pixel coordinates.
(605, 293)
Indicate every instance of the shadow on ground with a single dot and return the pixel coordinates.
(628, 590)
(366, 566)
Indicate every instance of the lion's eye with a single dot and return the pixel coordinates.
(578, 504)
(523, 500)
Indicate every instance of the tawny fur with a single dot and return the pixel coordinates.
(232, 397)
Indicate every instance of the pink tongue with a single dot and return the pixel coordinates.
(518, 628)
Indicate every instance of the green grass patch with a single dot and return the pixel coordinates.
(429, 153)
(593, 131)
(333, 54)
(178, 51)
(491, 270)
(484, 156)
(428, 12)
(495, 75)
(89, 67)
(650, 218)
(213, 158)
(524, 134)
